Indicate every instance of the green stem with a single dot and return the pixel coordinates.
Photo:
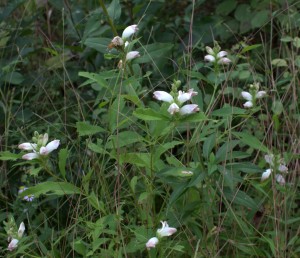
(111, 24)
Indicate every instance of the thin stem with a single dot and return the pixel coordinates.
(111, 24)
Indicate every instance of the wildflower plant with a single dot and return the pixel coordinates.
(253, 95)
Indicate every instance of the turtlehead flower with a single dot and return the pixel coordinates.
(117, 42)
(216, 56)
(13, 244)
(132, 54)
(39, 148)
(165, 230)
(266, 174)
(176, 104)
(129, 31)
(185, 96)
(280, 179)
(28, 198)
(152, 242)
(163, 96)
(189, 109)
(253, 95)
(173, 108)
(276, 164)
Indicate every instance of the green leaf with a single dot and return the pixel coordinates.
(51, 188)
(93, 200)
(229, 111)
(208, 145)
(260, 18)
(6, 155)
(249, 48)
(251, 141)
(123, 139)
(148, 114)
(226, 7)
(279, 62)
(114, 10)
(99, 44)
(154, 52)
(196, 117)
(13, 78)
(62, 159)
(240, 198)
(86, 129)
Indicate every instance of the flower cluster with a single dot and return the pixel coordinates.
(28, 198)
(253, 95)
(163, 232)
(122, 43)
(39, 147)
(14, 235)
(176, 104)
(216, 56)
(276, 164)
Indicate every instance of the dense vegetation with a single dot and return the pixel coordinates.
(149, 128)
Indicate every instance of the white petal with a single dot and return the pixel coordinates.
(117, 41)
(166, 230)
(163, 96)
(189, 109)
(13, 244)
(248, 104)
(246, 95)
(173, 108)
(129, 31)
(280, 179)
(21, 230)
(27, 146)
(224, 60)
(51, 146)
(152, 242)
(132, 54)
(210, 58)
(260, 94)
(283, 168)
(185, 96)
(266, 174)
(30, 156)
(221, 54)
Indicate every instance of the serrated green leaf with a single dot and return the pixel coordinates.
(51, 188)
(7, 155)
(86, 129)
(148, 114)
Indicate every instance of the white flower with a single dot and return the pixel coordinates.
(117, 41)
(152, 242)
(266, 174)
(13, 244)
(21, 230)
(163, 96)
(248, 96)
(27, 146)
(216, 57)
(43, 150)
(189, 109)
(173, 108)
(260, 94)
(185, 96)
(280, 179)
(210, 58)
(165, 230)
(28, 198)
(51, 146)
(283, 168)
(132, 54)
(129, 31)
